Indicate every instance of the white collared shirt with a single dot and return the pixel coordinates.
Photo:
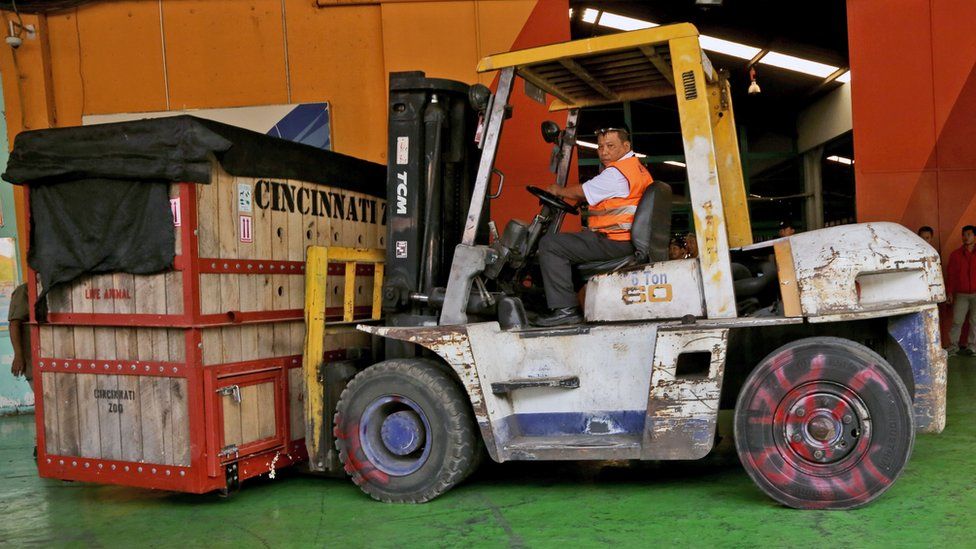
(611, 183)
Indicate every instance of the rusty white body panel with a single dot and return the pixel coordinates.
(682, 410)
(613, 364)
(667, 289)
(863, 268)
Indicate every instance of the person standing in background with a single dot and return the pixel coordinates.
(18, 316)
(961, 291)
(927, 234)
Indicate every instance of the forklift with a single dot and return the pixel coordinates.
(825, 344)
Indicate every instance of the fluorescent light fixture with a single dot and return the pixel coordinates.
(623, 22)
(840, 159)
(726, 47)
(639, 155)
(675, 163)
(797, 64)
(586, 144)
(570, 13)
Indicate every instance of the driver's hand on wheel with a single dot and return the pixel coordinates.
(555, 189)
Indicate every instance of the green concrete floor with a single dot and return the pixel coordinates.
(707, 503)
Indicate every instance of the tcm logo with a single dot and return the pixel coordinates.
(401, 191)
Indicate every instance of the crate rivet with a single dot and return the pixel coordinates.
(160, 369)
(182, 473)
(237, 266)
(60, 462)
(74, 463)
(92, 365)
(249, 266)
(139, 469)
(175, 369)
(106, 366)
(87, 465)
(213, 265)
(147, 367)
(167, 472)
(118, 367)
(42, 364)
(200, 345)
(79, 365)
(225, 266)
(100, 466)
(154, 470)
(49, 460)
(133, 367)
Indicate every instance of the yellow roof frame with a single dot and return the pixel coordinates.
(559, 69)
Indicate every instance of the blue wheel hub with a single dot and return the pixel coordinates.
(395, 435)
(402, 432)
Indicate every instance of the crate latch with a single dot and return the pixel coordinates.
(228, 451)
(231, 390)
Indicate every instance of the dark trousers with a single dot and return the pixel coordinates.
(559, 252)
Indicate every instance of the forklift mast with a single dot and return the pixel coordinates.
(432, 161)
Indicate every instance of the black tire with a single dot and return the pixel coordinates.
(808, 424)
(409, 406)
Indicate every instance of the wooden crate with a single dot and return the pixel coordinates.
(182, 379)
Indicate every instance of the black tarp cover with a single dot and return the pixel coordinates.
(99, 195)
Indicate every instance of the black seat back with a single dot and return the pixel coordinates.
(651, 230)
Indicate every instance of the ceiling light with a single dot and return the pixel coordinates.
(675, 163)
(845, 78)
(589, 15)
(726, 47)
(840, 159)
(708, 3)
(586, 144)
(797, 64)
(624, 23)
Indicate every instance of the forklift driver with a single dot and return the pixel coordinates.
(612, 197)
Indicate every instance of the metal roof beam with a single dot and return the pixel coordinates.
(585, 76)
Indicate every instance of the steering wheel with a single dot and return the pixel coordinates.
(549, 199)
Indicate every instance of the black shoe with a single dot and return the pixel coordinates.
(966, 351)
(560, 317)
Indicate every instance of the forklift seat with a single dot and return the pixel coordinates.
(650, 234)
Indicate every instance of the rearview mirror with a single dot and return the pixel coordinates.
(550, 131)
(478, 96)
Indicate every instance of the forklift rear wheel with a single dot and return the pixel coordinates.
(824, 423)
(404, 431)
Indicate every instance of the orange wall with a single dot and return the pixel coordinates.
(134, 56)
(914, 107)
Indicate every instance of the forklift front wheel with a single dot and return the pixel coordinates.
(824, 423)
(404, 431)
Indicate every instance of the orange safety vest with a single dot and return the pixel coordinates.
(614, 216)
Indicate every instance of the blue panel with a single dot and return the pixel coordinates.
(308, 124)
(629, 422)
